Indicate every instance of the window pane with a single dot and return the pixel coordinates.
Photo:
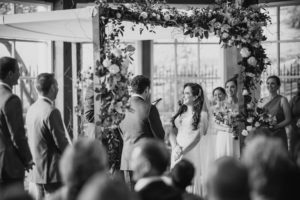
(4, 46)
(6, 8)
(271, 31)
(289, 22)
(289, 68)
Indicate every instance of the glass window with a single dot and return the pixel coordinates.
(271, 31)
(7, 8)
(289, 22)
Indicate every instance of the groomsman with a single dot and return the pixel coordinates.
(47, 136)
(15, 156)
(141, 121)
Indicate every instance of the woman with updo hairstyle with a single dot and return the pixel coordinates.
(227, 144)
(219, 96)
(278, 106)
(190, 139)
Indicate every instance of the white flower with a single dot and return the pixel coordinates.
(116, 52)
(118, 15)
(118, 107)
(158, 16)
(245, 133)
(250, 74)
(250, 119)
(127, 5)
(114, 69)
(190, 13)
(252, 61)
(249, 128)
(144, 15)
(257, 124)
(267, 60)
(106, 62)
(217, 25)
(245, 92)
(153, 14)
(225, 35)
(167, 17)
(245, 52)
(230, 42)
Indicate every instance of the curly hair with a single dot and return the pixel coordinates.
(197, 91)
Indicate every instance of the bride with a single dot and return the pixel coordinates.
(193, 138)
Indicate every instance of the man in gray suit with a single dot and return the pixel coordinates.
(47, 136)
(15, 156)
(141, 121)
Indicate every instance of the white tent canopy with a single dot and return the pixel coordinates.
(74, 25)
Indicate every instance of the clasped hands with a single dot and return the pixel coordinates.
(177, 152)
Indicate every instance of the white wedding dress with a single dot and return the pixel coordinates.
(202, 155)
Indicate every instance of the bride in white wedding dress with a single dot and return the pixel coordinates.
(193, 137)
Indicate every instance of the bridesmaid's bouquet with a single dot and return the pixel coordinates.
(258, 118)
(229, 118)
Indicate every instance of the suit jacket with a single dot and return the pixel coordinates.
(47, 141)
(14, 150)
(141, 121)
(159, 190)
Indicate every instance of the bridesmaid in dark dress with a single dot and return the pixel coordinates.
(278, 106)
(295, 136)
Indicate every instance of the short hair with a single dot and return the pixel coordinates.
(44, 82)
(228, 180)
(139, 83)
(182, 174)
(233, 79)
(220, 89)
(81, 160)
(7, 64)
(277, 79)
(156, 153)
(100, 186)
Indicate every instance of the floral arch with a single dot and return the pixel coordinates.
(234, 25)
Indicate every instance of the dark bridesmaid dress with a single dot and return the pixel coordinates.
(274, 108)
(295, 110)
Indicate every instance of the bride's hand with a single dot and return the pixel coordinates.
(177, 152)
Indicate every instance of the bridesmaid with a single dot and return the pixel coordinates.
(278, 106)
(295, 109)
(226, 145)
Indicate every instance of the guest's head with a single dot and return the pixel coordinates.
(9, 71)
(273, 84)
(269, 168)
(231, 87)
(47, 86)
(228, 180)
(182, 174)
(149, 158)
(219, 94)
(141, 85)
(101, 186)
(81, 161)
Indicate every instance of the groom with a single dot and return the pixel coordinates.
(141, 121)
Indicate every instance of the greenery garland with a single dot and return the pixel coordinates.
(235, 26)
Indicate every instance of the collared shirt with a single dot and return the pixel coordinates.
(143, 182)
(47, 99)
(137, 95)
(5, 85)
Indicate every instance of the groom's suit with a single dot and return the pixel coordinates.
(141, 121)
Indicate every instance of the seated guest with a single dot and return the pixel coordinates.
(79, 162)
(228, 180)
(149, 161)
(101, 186)
(182, 175)
(272, 174)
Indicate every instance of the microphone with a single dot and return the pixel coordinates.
(156, 101)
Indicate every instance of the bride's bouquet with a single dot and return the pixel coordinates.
(228, 118)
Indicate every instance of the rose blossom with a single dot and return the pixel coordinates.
(252, 61)
(116, 52)
(106, 62)
(250, 119)
(245, 92)
(190, 13)
(118, 15)
(158, 16)
(257, 124)
(245, 52)
(245, 132)
(225, 35)
(249, 128)
(114, 69)
(144, 15)
(167, 17)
